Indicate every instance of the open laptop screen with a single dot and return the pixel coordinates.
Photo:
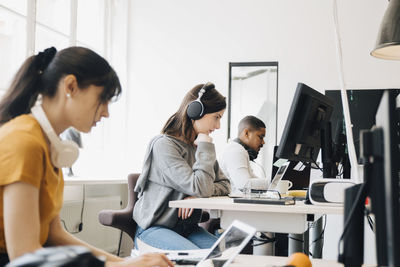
(230, 244)
(278, 176)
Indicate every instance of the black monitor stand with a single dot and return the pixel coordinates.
(329, 169)
(334, 152)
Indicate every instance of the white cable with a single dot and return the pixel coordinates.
(349, 133)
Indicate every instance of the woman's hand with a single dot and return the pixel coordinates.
(185, 213)
(145, 260)
(202, 137)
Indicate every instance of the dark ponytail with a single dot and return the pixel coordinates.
(41, 74)
(23, 92)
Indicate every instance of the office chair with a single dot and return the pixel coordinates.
(122, 219)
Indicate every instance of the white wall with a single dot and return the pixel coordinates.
(177, 44)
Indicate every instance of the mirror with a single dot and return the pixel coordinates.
(253, 90)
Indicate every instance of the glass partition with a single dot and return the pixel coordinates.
(253, 90)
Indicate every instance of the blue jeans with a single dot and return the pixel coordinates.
(177, 238)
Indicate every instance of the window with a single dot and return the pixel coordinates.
(100, 25)
(12, 39)
(91, 25)
(53, 20)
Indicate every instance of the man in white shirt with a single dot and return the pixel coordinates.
(235, 161)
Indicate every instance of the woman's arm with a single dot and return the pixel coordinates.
(22, 229)
(22, 223)
(222, 185)
(21, 218)
(59, 236)
(197, 180)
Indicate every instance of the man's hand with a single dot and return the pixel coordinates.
(185, 213)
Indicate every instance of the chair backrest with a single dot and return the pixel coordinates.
(132, 197)
(123, 219)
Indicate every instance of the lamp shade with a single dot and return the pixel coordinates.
(388, 42)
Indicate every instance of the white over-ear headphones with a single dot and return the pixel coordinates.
(63, 153)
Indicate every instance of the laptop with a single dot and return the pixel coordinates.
(278, 176)
(224, 250)
(268, 196)
(269, 193)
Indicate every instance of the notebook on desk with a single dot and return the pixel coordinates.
(224, 250)
(270, 201)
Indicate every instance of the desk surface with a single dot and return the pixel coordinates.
(226, 203)
(96, 181)
(266, 261)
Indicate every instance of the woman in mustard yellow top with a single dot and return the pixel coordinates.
(76, 86)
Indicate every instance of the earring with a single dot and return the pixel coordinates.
(68, 95)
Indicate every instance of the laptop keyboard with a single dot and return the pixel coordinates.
(186, 262)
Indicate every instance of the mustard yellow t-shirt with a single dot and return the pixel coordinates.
(24, 156)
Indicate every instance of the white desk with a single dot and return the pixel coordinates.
(265, 218)
(292, 219)
(266, 261)
(97, 181)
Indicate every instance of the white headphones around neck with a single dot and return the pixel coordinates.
(63, 153)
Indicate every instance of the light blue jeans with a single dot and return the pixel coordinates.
(178, 238)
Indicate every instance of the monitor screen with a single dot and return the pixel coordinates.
(309, 113)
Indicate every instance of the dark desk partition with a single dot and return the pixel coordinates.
(363, 104)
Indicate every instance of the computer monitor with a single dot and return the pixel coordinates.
(385, 171)
(300, 177)
(379, 148)
(307, 127)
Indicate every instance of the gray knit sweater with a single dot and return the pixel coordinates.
(173, 170)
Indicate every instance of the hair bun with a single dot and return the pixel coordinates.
(44, 58)
(209, 86)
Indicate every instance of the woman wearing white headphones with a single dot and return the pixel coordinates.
(181, 163)
(76, 86)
